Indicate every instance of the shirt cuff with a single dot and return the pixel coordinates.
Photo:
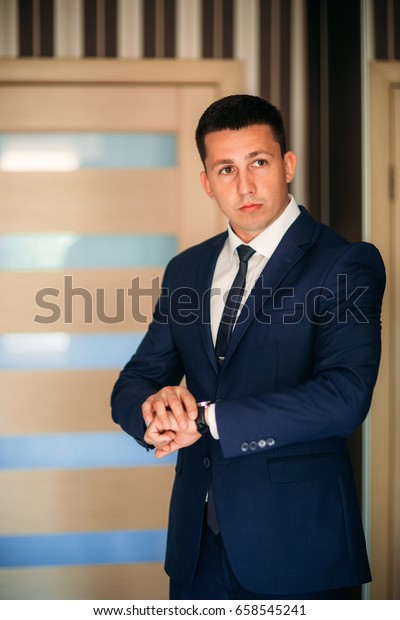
(212, 422)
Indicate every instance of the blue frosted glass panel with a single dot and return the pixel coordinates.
(63, 351)
(72, 151)
(42, 251)
(71, 549)
(76, 451)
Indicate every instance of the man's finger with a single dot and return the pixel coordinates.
(147, 411)
(178, 411)
(190, 406)
(160, 409)
(157, 439)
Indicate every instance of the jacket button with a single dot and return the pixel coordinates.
(270, 441)
(206, 462)
(262, 443)
(253, 445)
(244, 447)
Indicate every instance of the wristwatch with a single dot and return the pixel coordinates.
(202, 426)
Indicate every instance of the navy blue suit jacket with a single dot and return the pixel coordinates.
(296, 382)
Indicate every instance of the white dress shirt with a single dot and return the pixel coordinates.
(227, 266)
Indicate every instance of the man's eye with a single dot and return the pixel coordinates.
(226, 170)
(259, 163)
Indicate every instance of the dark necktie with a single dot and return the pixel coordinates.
(232, 303)
(228, 319)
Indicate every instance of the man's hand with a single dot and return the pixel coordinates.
(172, 400)
(168, 441)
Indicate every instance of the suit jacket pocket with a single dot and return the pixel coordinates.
(310, 467)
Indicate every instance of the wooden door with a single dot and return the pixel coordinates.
(99, 187)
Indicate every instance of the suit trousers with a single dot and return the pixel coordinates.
(215, 580)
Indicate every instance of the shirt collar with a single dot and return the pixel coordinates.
(267, 241)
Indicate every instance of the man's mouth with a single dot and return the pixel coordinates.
(249, 207)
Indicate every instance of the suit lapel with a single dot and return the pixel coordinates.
(204, 282)
(290, 250)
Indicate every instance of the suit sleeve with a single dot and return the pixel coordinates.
(155, 364)
(334, 401)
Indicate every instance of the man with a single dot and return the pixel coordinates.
(263, 504)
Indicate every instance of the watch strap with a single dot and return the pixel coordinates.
(201, 423)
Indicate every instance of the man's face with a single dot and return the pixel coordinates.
(247, 177)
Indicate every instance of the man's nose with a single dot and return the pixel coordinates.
(246, 183)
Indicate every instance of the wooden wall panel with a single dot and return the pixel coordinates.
(101, 304)
(124, 582)
(51, 501)
(70, 401)
(89, 201)
(88, 108)
(198, 214)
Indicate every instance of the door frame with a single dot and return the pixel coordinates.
(384, 430)
(225, 75)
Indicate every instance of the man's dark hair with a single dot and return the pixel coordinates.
(237, 112)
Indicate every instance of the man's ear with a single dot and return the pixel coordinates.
(206, 184)
(290, 165)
